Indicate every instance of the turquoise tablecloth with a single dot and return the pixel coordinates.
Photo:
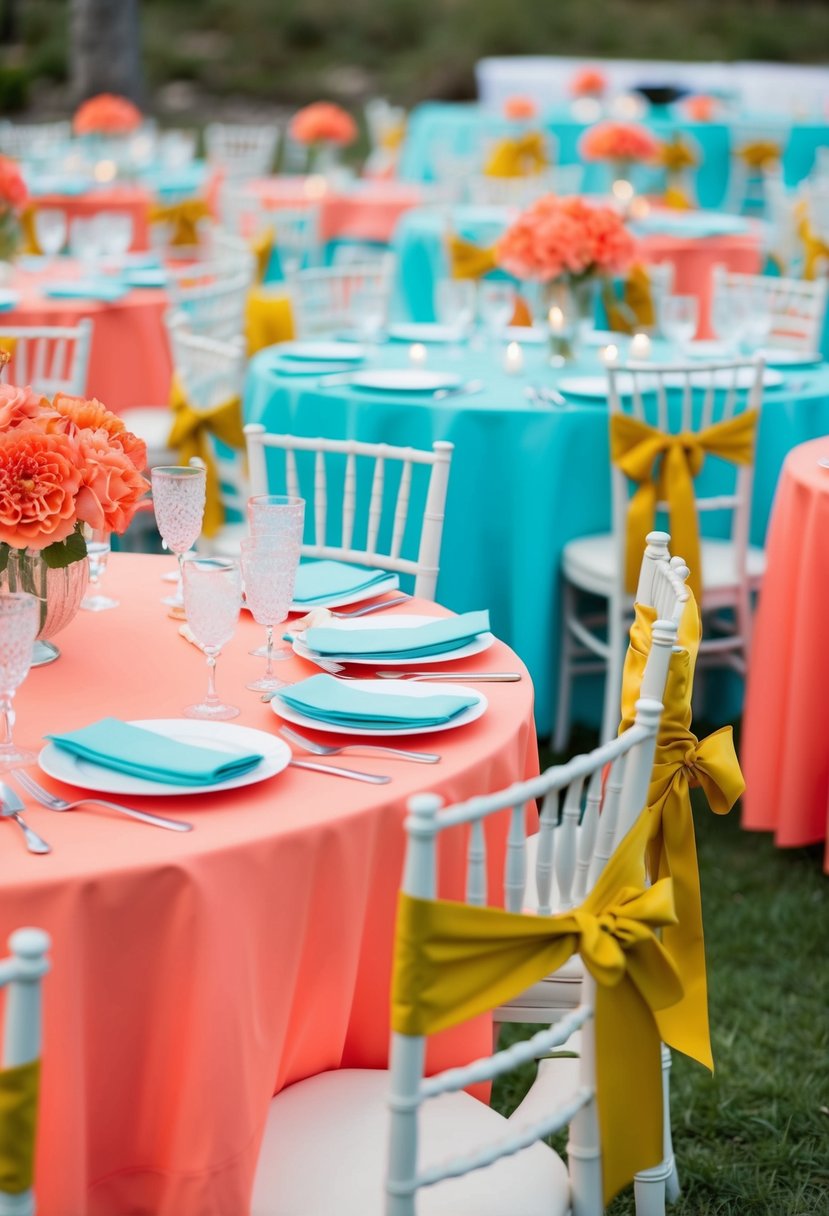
(525, 478)
(463, 128)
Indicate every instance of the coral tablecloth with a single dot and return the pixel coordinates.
(785, 754)
(195, 975)
(131, 200)
(129, 361)
(362, 211)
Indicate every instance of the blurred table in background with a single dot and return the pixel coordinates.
(358, 210)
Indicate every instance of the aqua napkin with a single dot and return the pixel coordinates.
(414, 641)
(329, 700)
(144, 276)
(105, 290)
(143, 753)
(317, 581)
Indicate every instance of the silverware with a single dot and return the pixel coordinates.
(372, 778)
(322, 749)
(53, 803)
(543, 392)
(10, 808)
(461, 390)
(366, 611)
(480, 677)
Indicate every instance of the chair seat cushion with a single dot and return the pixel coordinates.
(326, 1142)
(150, 422)
(590, 562)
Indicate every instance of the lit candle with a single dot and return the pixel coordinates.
(418, 354)
(513, 359)
(315, 186)
(105, 171)
(609, 355)
(556, 319)
(640, 346)
(622, 191)
(639, 208)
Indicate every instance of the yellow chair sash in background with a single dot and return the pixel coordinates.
(19, 1089)
(760, 154)
(677, 156)
(269, 318)
(190, 436)
(468, 260)
(682, 763)
(815, 248)
(183, 217)
(664, 467)
(31, 245)
(636, 308)
(454, 961)
(262, 247)
(392, 136)
(518, 156)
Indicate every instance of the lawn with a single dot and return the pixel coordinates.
(752, 1140)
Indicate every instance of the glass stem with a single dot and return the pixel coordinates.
(180, 587)
(269, 667)
(212, 656)
(7, 717)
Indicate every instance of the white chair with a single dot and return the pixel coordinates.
(307, 465)
(429, 1138)
(385, 124)
(674, 399)
(241, 151)
(660, 279)
(42, 141)
(781, 241)
(797, 308)
(21, 975)
(331, 298)
(748, 187)
(212, 298)
(296, 236)
(50, 358)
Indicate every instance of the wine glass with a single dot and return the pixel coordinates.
(114, 232)
(19, 623)
(496, 304)
(212, 599)
(757, 323)
(271, 516)
(269, 566)
(368, 308)
(178, 501)
(84, 242)
(678, 319)
(97, 550)
(728, 316)
(455, 302)
(50, 230)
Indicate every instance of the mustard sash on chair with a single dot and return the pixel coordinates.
(453, 961)
(519, 156)
(815, 248)
(468, 260)
(262, 247)
(664, 467)
(183, 217)
(682, 762)
(31, 245)
(760, 154)
(392, 136)
(269, 319)
(677, 156)
(636, 308)
(190, 436)
(19, 1089)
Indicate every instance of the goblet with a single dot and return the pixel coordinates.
(455, 303)
(178, 501)
(212, 598)
(496, 304)
(50, 230)
(678, 319)
(271, 516)
(98, 550)
(269, 566)
(19, 623)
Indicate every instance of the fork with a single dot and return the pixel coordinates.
(321, 749)
(53, 803)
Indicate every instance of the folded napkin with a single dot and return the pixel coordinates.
(144, 276)
(413, 641)
(317, 581)
(106, 290)
(143, 753)
(329, 700)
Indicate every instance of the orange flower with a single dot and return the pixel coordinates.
(18, 406)
(13, 192)
(106, 114)
(111, 484)
(560, 237)
(700, 108)
(588, 82)
(322, 122)
(519, 107)
(39, 481)
(76, 415)
(618, 141)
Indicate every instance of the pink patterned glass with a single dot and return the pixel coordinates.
(269, 568)
(178, 501)
(19, 623)
(271, 516)
(212, 598)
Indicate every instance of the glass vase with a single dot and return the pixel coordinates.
(58, 591)
(569, 313)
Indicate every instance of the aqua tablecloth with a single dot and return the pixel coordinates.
(525, 479)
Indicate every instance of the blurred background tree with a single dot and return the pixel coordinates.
(105, 48)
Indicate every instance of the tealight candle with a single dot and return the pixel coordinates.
(418, 354)
(105, 171)
(315, 186)
(556, 319)
(640, 346)
(609, 355)
(622, 191)
(513, 358)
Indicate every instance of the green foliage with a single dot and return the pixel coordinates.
(14, 89)
(65, 552)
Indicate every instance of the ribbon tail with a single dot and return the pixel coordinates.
(678, 488)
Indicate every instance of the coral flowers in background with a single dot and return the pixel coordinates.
(106, 114)
(588, 82)
(618, 141)
(520, 107)
(13, 192)
(323, 123)
(559, 238)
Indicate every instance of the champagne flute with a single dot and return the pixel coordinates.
(98, 549)
(50, 230)
(269, 567)
(271, 516)
(19, 623)
(496, 303)
(178, 501)
(678, 319)
(455, 303)
(212, 599)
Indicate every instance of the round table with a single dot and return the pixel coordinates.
(693, 244)
(784, 754)
(131, 200)
(129, 361)
(193, 975)
(525, 478)
(362, 210)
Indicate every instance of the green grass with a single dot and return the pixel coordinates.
(752, 1140)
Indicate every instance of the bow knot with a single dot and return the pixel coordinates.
(760, 154)
(815, 248)
(191, 435)
(468, 260)
(518, 156)
(635, 310)
(183, 217)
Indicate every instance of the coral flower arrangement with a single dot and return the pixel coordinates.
(106, 114)
(323, 123)
(565, 239)
(13, 197)
(63, 463)
(620, 142)
(588, 82)
(519, 108)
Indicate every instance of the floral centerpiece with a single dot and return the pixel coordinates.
(701, 108)
(588, 82)
(622, 144)
(520, 108)
(106, 114)
(567, 245)
(323, 128)
(13, 197)
(64, 463)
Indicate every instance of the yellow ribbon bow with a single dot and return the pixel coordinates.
(183, 217)
(682, 763)
(392, 136)
(760, 154)
(469, 261)
(453, 961)
(636, 309)
(269, 317)
(262, 247)
(815, 249)
(190, 435)
(31, 245)
(676, 154)
(18, 1117)
(664, 467)
(518, 156)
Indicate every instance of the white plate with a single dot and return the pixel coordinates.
(217, 736)
(425, 331)
(352, 597)
(526, 335)
(400, 688)
(595, 387)
(323, 352)
(709, 350)
(405, 380)
(8, 299)
(297, 367)
(482, 642)
(779, 356)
